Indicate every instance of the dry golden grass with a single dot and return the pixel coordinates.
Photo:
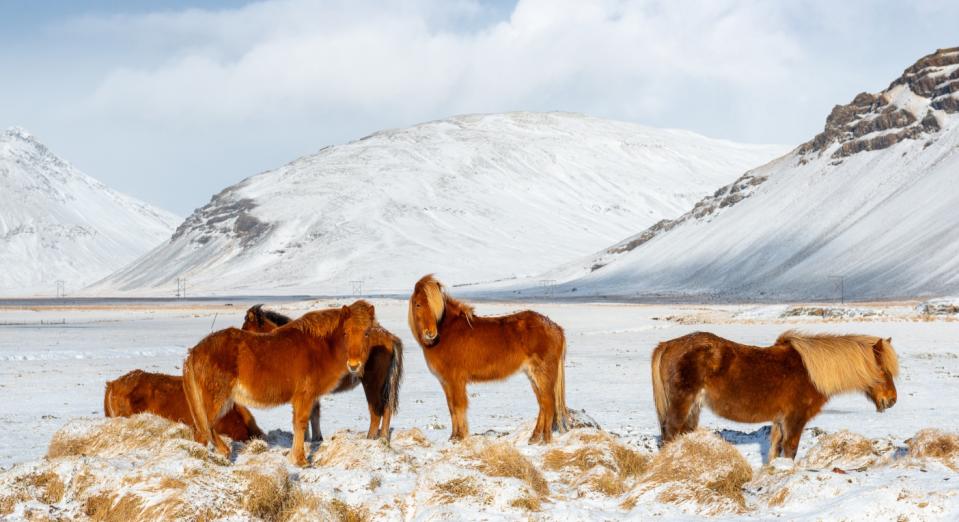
(452, 490)
(116, 436)
(50, 486)
(529, 503)
(582, 459)
(936, 444)
(267, 496)
(108, 508)
(843, 449)
(255, 447)
(779, 498)
(504, 460)
(608, 483)
(699, 467)
(414, 436)
(343, 512)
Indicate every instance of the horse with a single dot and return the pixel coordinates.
(380, 377)
(787, 383)
(296, 363)
(461, 347)
(160, 394)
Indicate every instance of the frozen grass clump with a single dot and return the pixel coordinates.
(843, 449)
(698, 468)
(932, 443)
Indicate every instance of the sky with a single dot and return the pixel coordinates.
(173, 101)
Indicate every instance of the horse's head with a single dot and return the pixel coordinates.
(263, 321)
(426, 310)
(357, 320)
(883, 392)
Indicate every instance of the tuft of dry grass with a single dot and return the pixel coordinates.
(936, 444)
(779, 498)
(608, 483)
(504, 460)
(116, 436)
(414, 436)
(699, 467)
(582, 459)
(104, 507)
(843, 448)
(50, 485)
(267, 496)
(255, 447)
(343, 512)
(529, 503)
(452, 490)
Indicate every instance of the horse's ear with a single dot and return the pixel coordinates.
(889, 340)
(345, 311)
(250, 316)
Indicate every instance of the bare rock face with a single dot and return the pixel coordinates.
(905, 110)
(224, 215)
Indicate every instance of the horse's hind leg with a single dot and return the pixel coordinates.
(385, 425)
(544, 385)
(678, 414)
(692, 418)
(317, 435)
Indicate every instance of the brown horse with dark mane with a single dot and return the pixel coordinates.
(296, 363)
(461, 347)
(787, 383)
(160, 394)
(380, 377)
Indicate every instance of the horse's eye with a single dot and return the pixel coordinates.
(417, 305)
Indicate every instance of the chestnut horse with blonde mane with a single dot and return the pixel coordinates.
(296, 363)
(381, 375)
(787, 383)
(160, 394)
(461, 347)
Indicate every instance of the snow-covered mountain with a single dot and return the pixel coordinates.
(869, 207)
(58, 224)
(472, 198)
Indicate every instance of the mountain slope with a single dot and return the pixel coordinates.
(471, 198)
(57, 223)
(868, 207)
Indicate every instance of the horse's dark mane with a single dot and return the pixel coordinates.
(274, 317)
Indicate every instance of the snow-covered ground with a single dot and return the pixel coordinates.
(52, 374)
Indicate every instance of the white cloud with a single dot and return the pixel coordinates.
(276, 59)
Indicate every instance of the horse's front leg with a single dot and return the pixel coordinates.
(302, 407)
(457, 402)
(775, 440)
(315, 422)
(252, 429)
(374, 430)
(792, 431)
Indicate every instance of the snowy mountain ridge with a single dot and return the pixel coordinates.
(865, 207)
(472, 198)
(58, 224)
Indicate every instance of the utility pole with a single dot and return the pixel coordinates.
(547, 286)
(181, 287)
(841, 287)
(61, 286)
(357, 287)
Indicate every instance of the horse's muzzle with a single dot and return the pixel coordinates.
(430, 339)
(353, 368)
(885, 404)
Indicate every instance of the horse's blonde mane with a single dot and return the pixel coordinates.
(842, 363)
(322, 323)
(438, 300)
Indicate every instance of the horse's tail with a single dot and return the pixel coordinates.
(108, 409)
(660, 393)
(391, 385)
(562, 413)
(194, 399)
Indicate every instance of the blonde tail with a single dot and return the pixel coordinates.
(562, 413)
(194, 398)
(660, 394)
(108, 408)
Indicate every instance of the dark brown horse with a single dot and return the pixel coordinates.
(296, 363)
(461, 347)
(380, 377)
(139, 391)
(787, 383)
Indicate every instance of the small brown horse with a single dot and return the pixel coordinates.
(461, 347)
(296, 363)
(160, 394)
(380, 377)
(787, 383)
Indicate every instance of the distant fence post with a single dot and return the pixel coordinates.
(840, 285)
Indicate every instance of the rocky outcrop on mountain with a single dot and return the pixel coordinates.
(905, 110)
